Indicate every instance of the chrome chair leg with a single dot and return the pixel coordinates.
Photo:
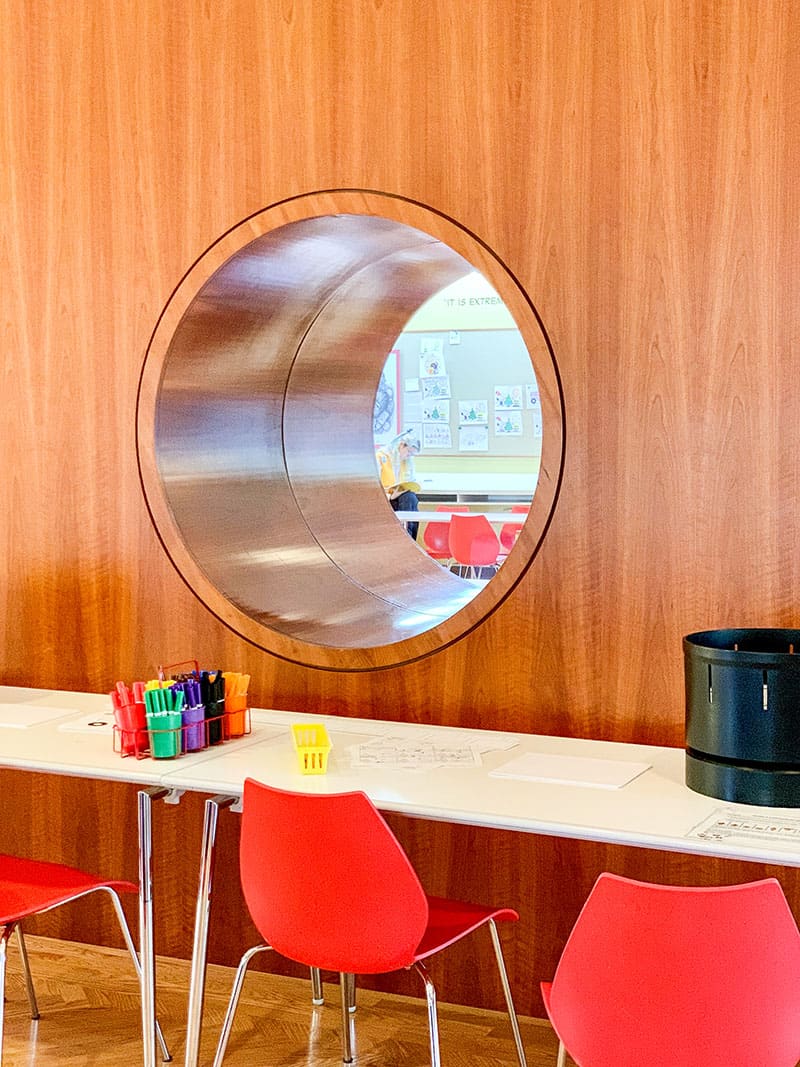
(351, 1007)
(316, 987)
(23, 955)
(126, 933)
(433, 1021)
(512, 1015)
(348, 997)
(5, 934)
(562, 1055)
(233, 1003)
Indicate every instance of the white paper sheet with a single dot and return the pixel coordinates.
(570, 770)
(728, 824)
(407, 754)
(21, 716)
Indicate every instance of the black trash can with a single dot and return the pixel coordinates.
(743, 715)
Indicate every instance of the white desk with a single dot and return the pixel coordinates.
(655, 810)
(516, 518)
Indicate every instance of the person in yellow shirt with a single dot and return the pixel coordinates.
(396, 466)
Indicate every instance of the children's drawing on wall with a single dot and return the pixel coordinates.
(437, 388)
(473, 438)
(508, 423)
(436, 436)
(386, 414)
(508, 397)
(431, 357)
(473, 413)
(532, 399)
(436, 411)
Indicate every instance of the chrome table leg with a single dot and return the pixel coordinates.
(197, 978)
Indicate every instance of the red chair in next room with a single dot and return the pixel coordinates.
(473, 544)
(436, 536)
(30, 887)
(669, 976)
(509, 531)
(327, 884)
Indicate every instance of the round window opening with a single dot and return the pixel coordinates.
(287, 363)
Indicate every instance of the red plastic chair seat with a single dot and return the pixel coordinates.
(673, 976)
(450, 920)
(28, 887)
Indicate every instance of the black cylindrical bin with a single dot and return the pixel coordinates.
(743, 715)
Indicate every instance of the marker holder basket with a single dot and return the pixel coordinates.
(133, 736)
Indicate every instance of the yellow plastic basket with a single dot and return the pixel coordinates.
(312, 745)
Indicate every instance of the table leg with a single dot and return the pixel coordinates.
(197, 978)
(146, 950)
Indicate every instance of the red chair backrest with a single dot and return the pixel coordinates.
(326, 881)
(670, 977)
(509, 531)
(436, 539)
(473, 541)
(436, 536)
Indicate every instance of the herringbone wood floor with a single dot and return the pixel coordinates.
(89, 1006)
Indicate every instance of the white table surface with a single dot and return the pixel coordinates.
(655, 810)
(517, 518)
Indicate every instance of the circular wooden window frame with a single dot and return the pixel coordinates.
(328, 647)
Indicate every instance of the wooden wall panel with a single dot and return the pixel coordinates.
(634, 165)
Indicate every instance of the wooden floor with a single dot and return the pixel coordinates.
(89, 1007)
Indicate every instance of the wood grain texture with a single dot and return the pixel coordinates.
(89, 1015)
(634, 165)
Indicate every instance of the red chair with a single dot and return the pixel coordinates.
(509, 531)
(670, 976)
(30, 887)
(436, 536)
(327, 884)
(473, 544)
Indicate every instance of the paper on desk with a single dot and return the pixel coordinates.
(412, 754)
(424, 747)
(570, 770)
(728, 824)
(21, 716)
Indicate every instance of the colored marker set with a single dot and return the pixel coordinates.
(188, 712)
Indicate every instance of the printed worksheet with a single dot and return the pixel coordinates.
(728, 824)
(425, 748)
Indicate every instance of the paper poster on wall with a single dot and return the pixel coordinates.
(435, 436)
(431, 357)
(508, 423)
(412, 406)
(455, 337)
(473, 412)
(508, 397)
(532, 395)
(537, 424)
(436, 411)
(386, 413)
(473, 438)
(437, 388)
